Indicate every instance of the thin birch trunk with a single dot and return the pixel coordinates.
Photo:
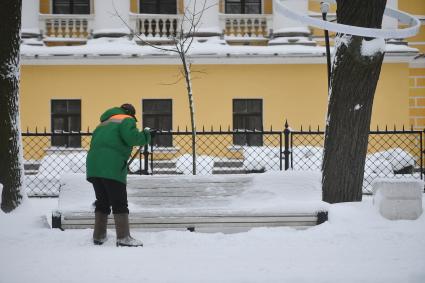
(188, 80)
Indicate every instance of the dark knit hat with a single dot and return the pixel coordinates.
(129, 109)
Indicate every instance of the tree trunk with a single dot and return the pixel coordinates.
(188, 80)
(11, 167)
(355, 74)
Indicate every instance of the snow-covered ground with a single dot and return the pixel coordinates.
(355, 245)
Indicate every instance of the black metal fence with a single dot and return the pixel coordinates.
(392, 153)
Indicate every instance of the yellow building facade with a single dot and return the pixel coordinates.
(296, 92)
(292, 85)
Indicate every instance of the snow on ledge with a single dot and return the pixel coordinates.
(207, 47)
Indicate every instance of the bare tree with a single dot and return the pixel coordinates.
(11, 170)
(181, 43)
(355, 74)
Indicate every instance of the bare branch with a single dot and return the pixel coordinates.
(175, 82)
(200, 72)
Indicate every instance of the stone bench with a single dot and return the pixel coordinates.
(196, 203)
(398, 199)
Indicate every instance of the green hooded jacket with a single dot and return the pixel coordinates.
(111, 145)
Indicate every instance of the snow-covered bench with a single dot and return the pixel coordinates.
(202, 203)
(398, 198)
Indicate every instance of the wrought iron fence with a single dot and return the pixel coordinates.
(391, 153)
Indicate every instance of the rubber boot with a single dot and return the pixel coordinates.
(100, 224)
(122, 228)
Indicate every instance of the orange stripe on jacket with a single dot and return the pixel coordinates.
(116, 119)
(120, 116)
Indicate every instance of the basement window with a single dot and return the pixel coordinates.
(248, 118)
(158, 114)
(66, 118)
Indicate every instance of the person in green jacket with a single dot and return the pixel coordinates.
(110, 148)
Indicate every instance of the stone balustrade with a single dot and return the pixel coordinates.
(246, 25)
(156, 25)
(57, 26)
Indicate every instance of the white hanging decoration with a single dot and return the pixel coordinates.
(412, 22)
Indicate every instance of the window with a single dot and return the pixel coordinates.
(66, 117)
(248, 115)
(158, 6)
(157, 114)
(243, 6)
(71, 6)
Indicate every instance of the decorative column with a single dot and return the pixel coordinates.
(30, 18)
(111, 18)
(206, 14)
(285, 27)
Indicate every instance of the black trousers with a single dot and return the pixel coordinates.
(110, 193)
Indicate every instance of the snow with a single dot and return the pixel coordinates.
(372, 47)
(299, 29)
(355, 245)
(202, 46)
(263, 193)
(306, 158)
(292, 40)
(398, 199)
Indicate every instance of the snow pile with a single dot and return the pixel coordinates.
(372, 47)
(56, 163)
(398, 199)
(386, 162)
(204, 164)
(307, 158)
(261, 158)
(46, 181)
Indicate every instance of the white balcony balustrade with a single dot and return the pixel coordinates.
(66, 27)
(246, 25)
(156, 26)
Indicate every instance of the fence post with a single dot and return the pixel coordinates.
(280, 152)
(146, 160)
(286, 152)
(422, 154)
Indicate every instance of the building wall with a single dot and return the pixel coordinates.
(45, 6)
(294, 92)
(417, 97)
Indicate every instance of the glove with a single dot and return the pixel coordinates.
(147, 133)
(153, 132)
